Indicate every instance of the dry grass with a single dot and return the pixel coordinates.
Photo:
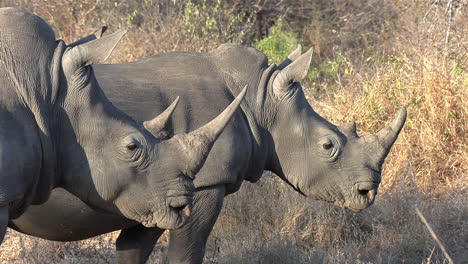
(18, 248)
(312, 231)
(389, 53)
(427, 73)
(309, 232)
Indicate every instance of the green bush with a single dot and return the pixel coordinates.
(279, 42)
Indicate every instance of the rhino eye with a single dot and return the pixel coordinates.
(327, 145)
(329, 148)
(132, 146)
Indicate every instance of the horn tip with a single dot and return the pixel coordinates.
(403, 109)
(400, 119)
(173, 105)
(403, 112)
(176, 101)
(244, 90)
(242, 93)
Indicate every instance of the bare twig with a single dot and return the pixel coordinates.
(449, 12)
(429, 259)
(433, 234)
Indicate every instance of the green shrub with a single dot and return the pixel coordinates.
(279, 42)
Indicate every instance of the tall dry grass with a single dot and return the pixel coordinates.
(371, 57)
(426, 71)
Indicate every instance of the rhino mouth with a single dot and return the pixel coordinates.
(184, 213)
(363, 200)
(173, 217)
(172, 210)
(364, 195)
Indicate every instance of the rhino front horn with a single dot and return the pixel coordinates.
(383, 140)
(197, 144)
(389, 134)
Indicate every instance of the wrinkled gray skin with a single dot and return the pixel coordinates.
(57, 129)
(277, 131)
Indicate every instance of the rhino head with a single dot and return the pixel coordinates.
(117, 164)
(319, 159)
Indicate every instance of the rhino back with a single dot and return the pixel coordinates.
(144, 89)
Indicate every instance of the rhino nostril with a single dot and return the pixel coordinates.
(368, 194)
(363, 192)
(184, 212)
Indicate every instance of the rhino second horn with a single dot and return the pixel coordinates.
(160, 122)
(198, 143)
(349, 128)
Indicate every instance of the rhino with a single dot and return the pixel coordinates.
(277, 130)
(59, 130)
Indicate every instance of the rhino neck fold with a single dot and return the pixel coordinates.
(253, 108)
(264, 117)
(49, 178)
(267, 111)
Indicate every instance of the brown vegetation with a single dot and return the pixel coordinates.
(370, 58)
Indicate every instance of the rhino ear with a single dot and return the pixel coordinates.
(158, 126)
(291, 57)
(294, 72)
(92, 52)
(100, 32)
(96, 35)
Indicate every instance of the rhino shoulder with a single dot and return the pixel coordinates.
(16, 21)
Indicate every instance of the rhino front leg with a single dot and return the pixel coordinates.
(187, 244)
(134, 245)
(3, 222)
